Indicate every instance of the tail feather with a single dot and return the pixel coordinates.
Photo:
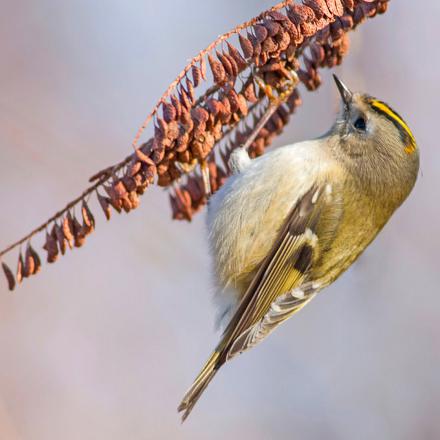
(193, 394)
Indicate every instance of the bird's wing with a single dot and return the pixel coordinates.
(266, 302)
(281, 286)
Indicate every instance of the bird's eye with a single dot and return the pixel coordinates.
(360, 124)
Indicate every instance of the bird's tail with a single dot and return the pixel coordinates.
(205, 376)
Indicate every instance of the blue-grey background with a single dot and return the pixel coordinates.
(103, 344)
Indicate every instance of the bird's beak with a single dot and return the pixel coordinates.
(346, 95)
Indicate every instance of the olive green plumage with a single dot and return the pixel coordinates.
(286, 225)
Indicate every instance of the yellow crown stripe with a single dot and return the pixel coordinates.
(392, 114)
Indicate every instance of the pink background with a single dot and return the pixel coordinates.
(103, 344)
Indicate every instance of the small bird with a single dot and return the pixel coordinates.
(289, 223)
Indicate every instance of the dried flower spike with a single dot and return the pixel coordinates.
(195, 125)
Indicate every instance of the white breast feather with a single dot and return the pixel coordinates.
(245, 215)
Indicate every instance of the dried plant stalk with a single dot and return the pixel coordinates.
(242, 69)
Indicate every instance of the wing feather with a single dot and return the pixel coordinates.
(280, 288)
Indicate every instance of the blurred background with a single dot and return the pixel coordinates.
(103, 344)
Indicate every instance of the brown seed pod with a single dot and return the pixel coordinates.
(184, 98)
(143, 157)
(169, 112)
(190, 90)
(62, 241)
(78, 233)
(246, 46)
(317, 52)
(369, 8)
(119, 189)
(283, 40)
(382, 8)
(199, 115)
(87, 216)
(134, 199)
(9, 276)
(134, 168)
(308, 29)
(214, 106)
(20, 268)
(196, 75)
(236, 55)
(234, 65)
(347, 22)
(164, 180)
(51, 246)
(226, 113)
(272, 27)
(177, 106)
(151, 173)
(217, 69)
(105, 205)
(242, 105)
(183, 199)
(249, 91)
(335, 7)
(113, 199)
(269, 46)
(358, 15)
(300, 14)
(319, 7)
(29, 264)
(349, 4)
(256, 46)
(233, 100)
(226, 64)
(202, 65)
(68, 229)
(260, 32)
(36, 258)
(182, 142)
